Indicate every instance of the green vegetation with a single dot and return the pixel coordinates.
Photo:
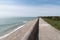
(54, 21)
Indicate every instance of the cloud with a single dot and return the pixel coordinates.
(20, 10)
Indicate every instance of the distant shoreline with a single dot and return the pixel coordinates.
(11, 32)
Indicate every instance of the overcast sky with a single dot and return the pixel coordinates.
(12, 8)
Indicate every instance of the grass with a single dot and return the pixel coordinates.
(54, 23)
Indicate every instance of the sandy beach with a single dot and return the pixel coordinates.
(11, 32)
(20, 33)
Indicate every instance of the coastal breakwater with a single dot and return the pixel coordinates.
(28, 32)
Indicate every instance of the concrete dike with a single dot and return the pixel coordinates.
(28, 32)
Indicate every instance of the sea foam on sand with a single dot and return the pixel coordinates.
(11, 32)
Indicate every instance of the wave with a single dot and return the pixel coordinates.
(25, 21)
(11, 32)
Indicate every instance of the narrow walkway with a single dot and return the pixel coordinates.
(47, 32)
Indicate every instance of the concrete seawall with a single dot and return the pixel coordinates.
(28, 32)
(34, 32)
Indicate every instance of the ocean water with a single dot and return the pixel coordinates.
(9, 24)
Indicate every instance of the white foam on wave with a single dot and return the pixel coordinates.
(25, 21)
(11, 32)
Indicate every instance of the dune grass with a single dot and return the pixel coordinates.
(54, 23)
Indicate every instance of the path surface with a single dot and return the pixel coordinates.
(47, 32)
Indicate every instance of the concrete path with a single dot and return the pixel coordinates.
(47, 32)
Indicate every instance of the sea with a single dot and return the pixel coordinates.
(11, 23)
